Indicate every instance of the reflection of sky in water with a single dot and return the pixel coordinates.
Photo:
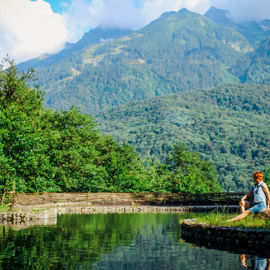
(113, 241)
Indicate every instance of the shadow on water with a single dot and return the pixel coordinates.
(111, 241)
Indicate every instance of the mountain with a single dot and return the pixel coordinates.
(228, 125)
(178, 51)
(94, 36)
(259, 64)
(254, 31)
(220, 16)
(255, 66)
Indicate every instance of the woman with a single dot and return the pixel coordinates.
(259, 198)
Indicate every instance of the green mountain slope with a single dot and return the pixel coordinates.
(228, 125)
(180, 50)
(94, 36)
(255, 67)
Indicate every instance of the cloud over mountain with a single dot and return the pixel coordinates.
(245, 10)
(29, 28)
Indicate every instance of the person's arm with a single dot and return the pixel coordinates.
(268, 265)
(267, 193)
(243, 260)
(246, 196)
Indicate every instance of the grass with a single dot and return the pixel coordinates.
(4, 208)
(38, 210)
(219, 219)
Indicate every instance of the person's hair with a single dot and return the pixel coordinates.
(258, 175)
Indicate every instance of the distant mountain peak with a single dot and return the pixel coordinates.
(219, 11)
(184, 10)
(220, 16)
(254, 31)
(68, 44)
(166, 14)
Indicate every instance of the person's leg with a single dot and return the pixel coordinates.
(239, 217)
(243, 205)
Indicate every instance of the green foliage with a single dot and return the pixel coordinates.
(267, 177)
(4, 208)
(190, 173)
(91, 237)
(42, 150)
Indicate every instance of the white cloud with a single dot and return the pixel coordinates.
(245, 10)
(29, 29)
(82, 15)
(85, 14)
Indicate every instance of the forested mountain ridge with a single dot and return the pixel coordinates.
(228, 125)
(255, 66)
(179, 51)
(94, 36)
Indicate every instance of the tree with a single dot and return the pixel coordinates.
(267, 177)
(190, 173)
(24, 163)
(43, 150)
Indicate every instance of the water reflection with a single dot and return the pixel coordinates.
(254, 262)
(110, 241)
(22, 225)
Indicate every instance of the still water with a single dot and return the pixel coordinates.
(111, 241)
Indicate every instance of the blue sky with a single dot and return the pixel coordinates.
(58, 6)
(30, 28)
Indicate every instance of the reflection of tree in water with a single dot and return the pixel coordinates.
(157, 247)
(110, 241)
(254, 262)
(76, 240)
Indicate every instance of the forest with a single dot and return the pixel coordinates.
(227, 125)
(42, 150)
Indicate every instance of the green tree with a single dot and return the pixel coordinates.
(267, 177)
(190, 173)
(43, 150)
(72, 139)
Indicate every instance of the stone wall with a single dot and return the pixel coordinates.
(17, 217)
(241, 240)
(45, 214)
(135, 209)
(24, 200)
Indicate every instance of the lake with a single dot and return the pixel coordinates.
(111, 241)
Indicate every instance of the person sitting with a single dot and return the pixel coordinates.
(256, 200)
